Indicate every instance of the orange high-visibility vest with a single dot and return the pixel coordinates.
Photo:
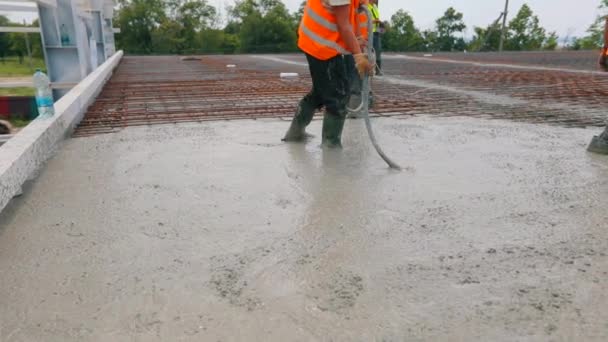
(318, 32)
(362, 21)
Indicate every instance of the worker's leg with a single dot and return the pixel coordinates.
(353, 75)
(599, 144)
(379, 72)
(302, 118)
(605, 134)
(355, 84)
(604, 54)
(378, 49)
(329, 89)
(333, 89)
(306, 110)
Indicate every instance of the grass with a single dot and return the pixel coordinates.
(20, 91)
(12, 68)
(18, 123)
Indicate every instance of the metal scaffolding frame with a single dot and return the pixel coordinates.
(77, 36)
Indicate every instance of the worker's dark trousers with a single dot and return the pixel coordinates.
(378, 49)
(355, 82)
(330, 89)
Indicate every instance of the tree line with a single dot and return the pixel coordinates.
(264, 26)
(14, 44)
(195, 26)
(258, 26)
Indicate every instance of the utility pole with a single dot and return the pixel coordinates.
(504, 26)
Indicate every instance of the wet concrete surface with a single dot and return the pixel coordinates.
(496, 231)
(571, 60)
(452, 86)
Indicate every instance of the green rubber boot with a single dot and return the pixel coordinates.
(332, 130)
(599, 144)
(303, 117)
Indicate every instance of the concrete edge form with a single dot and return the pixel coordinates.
(25, 153)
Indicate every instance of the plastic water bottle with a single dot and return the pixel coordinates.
(65, 37)
(44, 94)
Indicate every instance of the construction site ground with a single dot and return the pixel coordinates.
(175, 213)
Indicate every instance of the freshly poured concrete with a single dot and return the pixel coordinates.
(218, 232)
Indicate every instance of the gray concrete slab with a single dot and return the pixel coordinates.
(497, 231)
(24, 153)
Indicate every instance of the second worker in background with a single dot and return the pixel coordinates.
(378, 30)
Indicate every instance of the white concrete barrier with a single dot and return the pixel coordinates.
(26, 152)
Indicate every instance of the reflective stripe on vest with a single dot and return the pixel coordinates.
(322, 41)
(318, 32)
(362, 18)
(321, 21)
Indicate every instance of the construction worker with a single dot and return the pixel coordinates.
(604, 54)
(327, 34)
(599, 144)
(378, 26)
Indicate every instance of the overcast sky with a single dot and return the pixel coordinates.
(564, 16)
(555, 15)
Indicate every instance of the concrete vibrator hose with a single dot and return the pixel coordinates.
(363, 109)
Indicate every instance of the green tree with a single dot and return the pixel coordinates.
(231, 43)
(15, 43)
(186, 26)
(138, 20)
(218, 41)
(233, 27)
(446, 27)
(194, 16)
(595, 33)
(36, 41)
(210, 41)
(429, 38)
(4, 39)
(486, 39)
(166, 38)
(297, 16)
(525, 32)
(551, 41)
(263, 26)
(402, 34)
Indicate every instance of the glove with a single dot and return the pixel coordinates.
(362, 42)
(362, 64)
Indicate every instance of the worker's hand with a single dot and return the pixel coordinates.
(362, 64)
(362, 42)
